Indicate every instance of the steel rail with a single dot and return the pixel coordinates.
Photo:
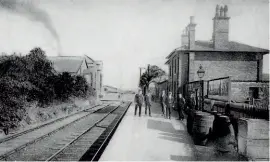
(94, 125)
(5, 155)
(101, 148)
(43, 125)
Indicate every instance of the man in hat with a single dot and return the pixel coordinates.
(148, 103)
(138, 100)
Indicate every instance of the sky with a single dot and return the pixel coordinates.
(128, 34)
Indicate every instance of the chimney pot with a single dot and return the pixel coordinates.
(191, 19)
(221, 12)
(225, 11)
(217, 11)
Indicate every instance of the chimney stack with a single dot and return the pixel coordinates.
(184, 38)
(221, 28)
(191, 33)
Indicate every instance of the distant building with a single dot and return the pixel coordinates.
(161, 84)
(109, 89)
(219, 57)
(80, 65)
(75, 65)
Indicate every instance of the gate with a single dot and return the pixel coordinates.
(194, 94)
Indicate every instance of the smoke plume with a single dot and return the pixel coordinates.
(33, 13)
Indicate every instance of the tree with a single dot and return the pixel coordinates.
(148, 77)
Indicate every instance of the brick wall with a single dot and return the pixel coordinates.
(220, 32)
(183, 77)
(239, 66)
(192, 70)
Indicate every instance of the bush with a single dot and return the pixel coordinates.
(32, 78)
(80, 87)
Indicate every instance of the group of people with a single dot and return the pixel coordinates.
(139, 98)
(167, 104)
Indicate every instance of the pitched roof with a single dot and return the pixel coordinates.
(208, 46)
(69, 64)
(231, 47)
(107, 86)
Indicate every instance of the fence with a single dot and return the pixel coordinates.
(219, 98)
(219, 89)
(194, 94)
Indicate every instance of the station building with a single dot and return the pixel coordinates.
(218, 57)
(81, 65)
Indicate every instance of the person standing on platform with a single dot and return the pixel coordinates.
(170, 102)
(148, 103)
(180, 106)
(163, 99)
(138, 102)
(193, 101)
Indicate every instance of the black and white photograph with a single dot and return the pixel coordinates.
(134, 80)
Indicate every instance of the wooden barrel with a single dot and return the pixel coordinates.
(216, 127)
(201, 126)
(190, 119)
(212, 130)
(214, 112)
(225, 137)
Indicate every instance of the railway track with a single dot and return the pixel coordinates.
(22, 139)
(96, 150)
(71, 141)
(45, 124)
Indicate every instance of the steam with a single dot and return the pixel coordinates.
(33, 13)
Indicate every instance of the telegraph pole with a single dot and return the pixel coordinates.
(148, 70)
(140, 73)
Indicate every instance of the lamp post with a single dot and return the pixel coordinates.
(141, 76)
(200, 74)
(141, 71)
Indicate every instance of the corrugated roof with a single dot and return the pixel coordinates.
(69, 64)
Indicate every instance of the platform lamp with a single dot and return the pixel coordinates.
(201, 72)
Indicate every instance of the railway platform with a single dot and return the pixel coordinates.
(150, 138)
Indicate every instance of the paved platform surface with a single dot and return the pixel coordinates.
(150, 138)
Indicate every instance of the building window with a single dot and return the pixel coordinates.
(178, 65)
(170, 69)
(91, 79)
(175, 65)
(254, 92)
(95, 79)
(100, 80)
(172, 66)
